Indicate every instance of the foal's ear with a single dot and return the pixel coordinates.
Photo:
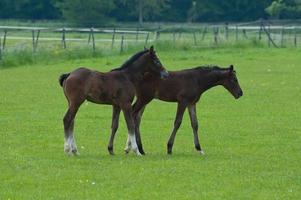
(151, 49)
(231, 68)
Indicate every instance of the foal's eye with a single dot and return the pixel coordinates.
(156, 62)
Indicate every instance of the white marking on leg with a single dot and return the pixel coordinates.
(202, 152)
(70, 145)
(134, 144)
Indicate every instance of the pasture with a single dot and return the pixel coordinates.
(252, 145)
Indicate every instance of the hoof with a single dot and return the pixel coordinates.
(138, 153)
(126, 150)
(75, 152)
(70, 152)
(201, 152)
(111, 151)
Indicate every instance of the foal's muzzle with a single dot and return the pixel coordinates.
(164, 74)
(239, 94)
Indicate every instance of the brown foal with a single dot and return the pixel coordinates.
(116, 88)
(184, 87)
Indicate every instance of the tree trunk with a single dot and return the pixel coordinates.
(140, 12)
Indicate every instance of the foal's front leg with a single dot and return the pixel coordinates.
(177, 124)
(194, 125)
(114, 127)
(131, 143)
(137, 119)
(138, 109)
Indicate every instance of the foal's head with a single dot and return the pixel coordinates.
(230, 82)
(153, 64)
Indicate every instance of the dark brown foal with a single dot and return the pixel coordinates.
(116, 88)
(184, 87)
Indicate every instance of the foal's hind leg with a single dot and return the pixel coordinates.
(115, 122)
(177, 124)
(70, 145)
(127, 111)
(194, 125)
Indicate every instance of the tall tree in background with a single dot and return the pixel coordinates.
(87, 12)
(141, 10)
(231, 10)
(284, 9)
(28, 9)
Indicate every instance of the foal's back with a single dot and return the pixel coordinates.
(177, 85)
(103, 88)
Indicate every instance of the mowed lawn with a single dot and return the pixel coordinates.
(252, 145)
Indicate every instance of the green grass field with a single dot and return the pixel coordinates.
(252, 145)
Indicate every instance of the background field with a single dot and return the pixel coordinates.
(252, 145)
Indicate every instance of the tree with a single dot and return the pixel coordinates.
(284, 9)
(276, 8)
(231, 10)
(28, 9)
(87, 12)
(141, 9)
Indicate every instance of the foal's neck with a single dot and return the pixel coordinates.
(210, 79)
(136, 70)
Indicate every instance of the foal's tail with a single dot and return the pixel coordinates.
(62, 78)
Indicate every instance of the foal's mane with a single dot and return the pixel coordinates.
(130, 61)
(206, 68)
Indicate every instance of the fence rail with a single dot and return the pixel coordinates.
(12, 37)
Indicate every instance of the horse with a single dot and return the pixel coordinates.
(116, 87)
(184, 87)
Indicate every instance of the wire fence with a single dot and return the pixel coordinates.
(272, 34)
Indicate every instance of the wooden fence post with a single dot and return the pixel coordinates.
(4, 40)
(295, 37)
(33, 40)
(0, 48)
(93, 39)
(236, 33)
(113, 38)
(89, 39)
(174, 37)
(245, 33)
(215, 32)
(64, 38)
(158, 33)
(194, 38)
(269, 34)
(270, 40)
(281, 36)
(226, 31)
(260, 30)
(121, 45)
(146, 39)
(204, 33)
(37, 40)
(137, 33)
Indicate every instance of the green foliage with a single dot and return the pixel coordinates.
(87, 12)
(234, 10)
(29, 9)
(276, 8)
(285, 9)
(104, 12)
